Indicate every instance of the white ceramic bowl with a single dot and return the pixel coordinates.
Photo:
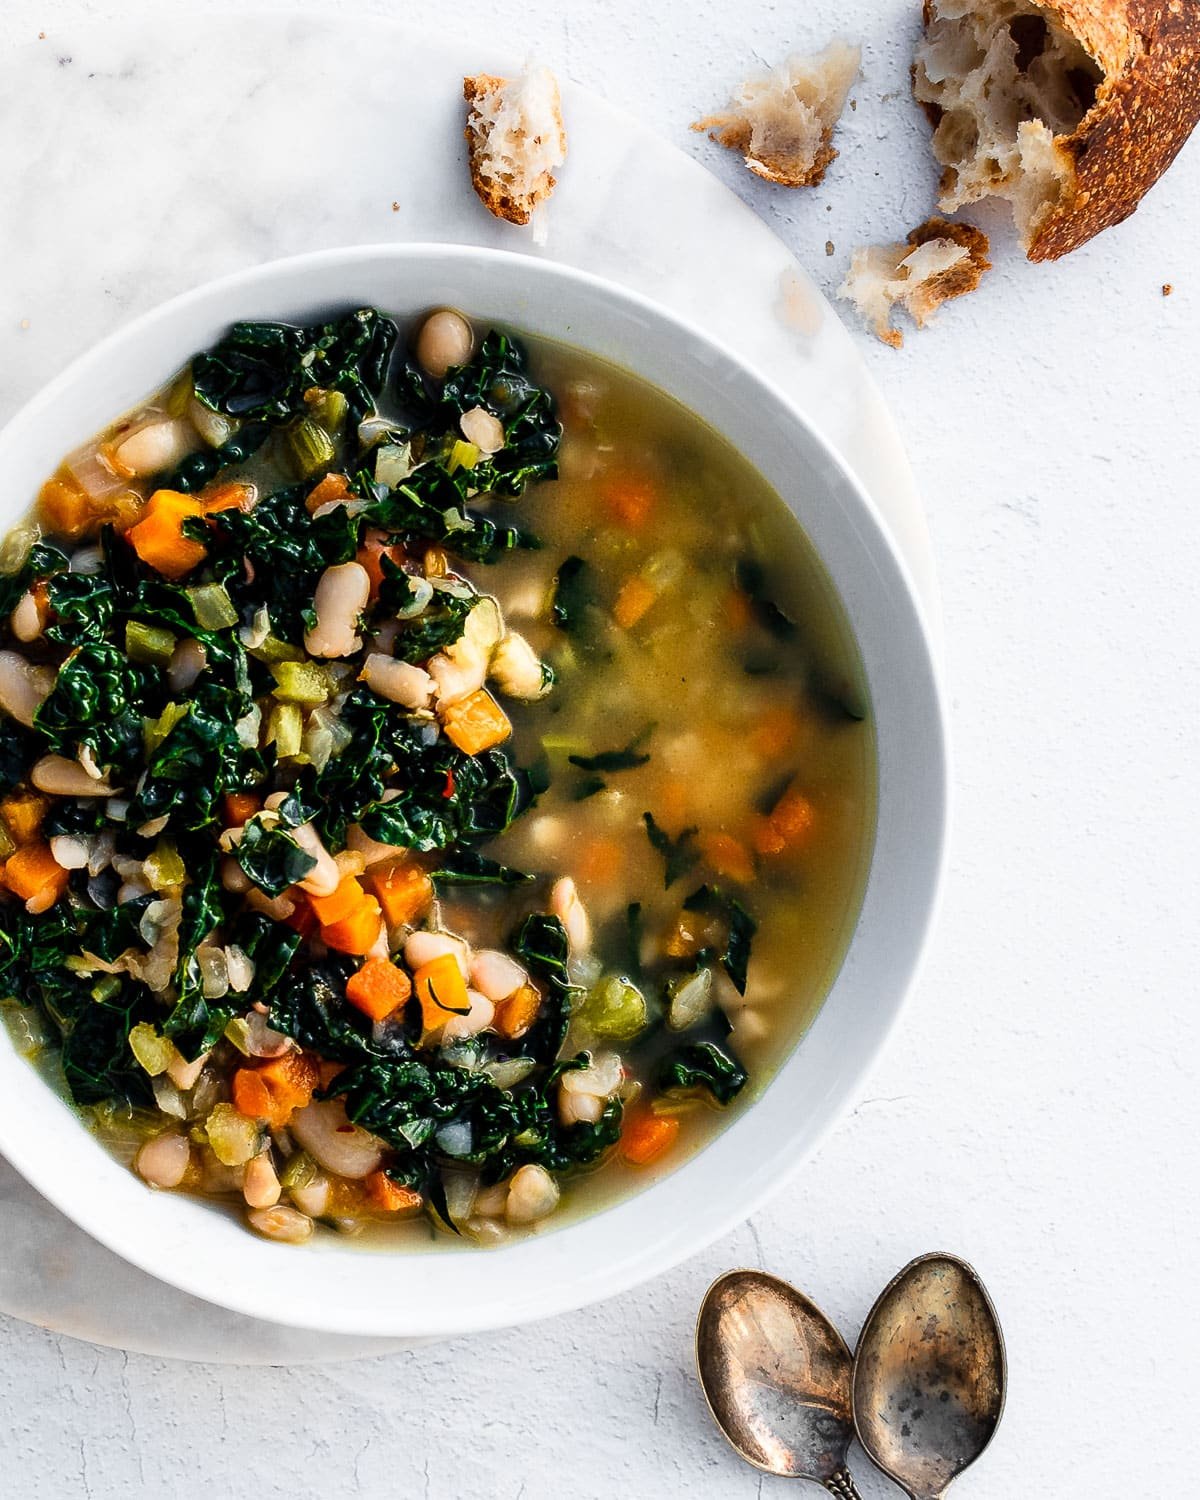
(339, 1288)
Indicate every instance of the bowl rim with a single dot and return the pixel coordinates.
(629, 1269)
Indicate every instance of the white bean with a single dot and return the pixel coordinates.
(260, 1186)
(341, 596)
(601, 1078)
(398, 680)
(163, 1161)
(324, 878)
(478, 426)
(158, 446)
(444, 342)
(325, 1132)
(185, 1075)
(69, 851)
(489, 1202)
(281, 1223)
(66, 778)
(575, 1109)
(233, 877)
(188, 660)
(456, 675)
(28, 619)
(517, 670)
(423, 947)
(532, 1194)
(480, 1016)
(313, 1197)
(496, 975)
(23, 687)
(569, 909)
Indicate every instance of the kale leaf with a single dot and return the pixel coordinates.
(541, 944)
(702, 1065)
(627, 759)
(574, 595)
(98, 700)
(432, 504)
(465, 866)
(679, 853)
(741, 929)
(751, 579)
(272, 858)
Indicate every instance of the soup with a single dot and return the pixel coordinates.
(438, 786)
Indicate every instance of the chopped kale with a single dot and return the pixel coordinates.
(463, 866)
(741, 929)
(542, 946)
(751, 579)
(574, 595)
(272, 858)
(702, 1065)
(680, 853)
(627, 759)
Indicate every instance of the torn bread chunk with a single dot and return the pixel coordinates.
(1071, 110)
(782, 120)
(515, 140)
(938, 261)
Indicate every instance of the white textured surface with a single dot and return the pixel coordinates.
(1037, 1112)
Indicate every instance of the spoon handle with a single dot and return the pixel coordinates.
(841, 1485)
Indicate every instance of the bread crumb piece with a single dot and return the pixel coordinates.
(800, 308)
(515, 139)
(395, 206)
(1167, 288)
(828, 247)
(782, 120)
(937, 262)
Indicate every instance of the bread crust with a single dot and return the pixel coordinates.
(1146, 106)
(735, 134)
(966, 276)
(495, 197)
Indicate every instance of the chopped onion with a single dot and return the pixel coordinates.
(456, 1138)
(691, 1000)
(506, 1075)
(214, 975)
(421, 592)
(240, 968)
(460, 1189)
(168, 1098)
(70, 851)
(393, 464)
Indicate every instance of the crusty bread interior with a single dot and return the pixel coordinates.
(1001, 80)
(515, 139)
(782, 120)
(939, 261)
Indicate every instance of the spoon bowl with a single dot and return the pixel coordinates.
(929, 1375)
(776, 1374)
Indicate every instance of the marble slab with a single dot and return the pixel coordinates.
(165, 154)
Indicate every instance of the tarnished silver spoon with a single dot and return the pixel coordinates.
(776, 1375)
(929, 1375)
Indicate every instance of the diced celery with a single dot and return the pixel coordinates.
(300, 1171)
(238, 1032)
(154, 1053)
(234, 1138)
(463, 455)
(300, 682)
(615, 1008)
(105, 988)
(212, 606)
(273, 649)
(148, 643)
(155, 731)
(179, 394)
(690, 999)
(164, 867)
(213, 426)
(286, 729)
(311, 445)
(330, 408)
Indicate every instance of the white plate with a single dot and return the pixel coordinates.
(629, 206)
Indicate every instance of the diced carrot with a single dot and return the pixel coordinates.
(391, 1197)
(738, 614)
(348, 897)
(251, 1096)
(440, 987)
(476, 723)
(34, 872)
(630, 498)
(23, 813)
(647, 1136)
(374, 548)
(600, 861)
(332, 487)
(634, 600)
(517, 1014)
(63, 509)
(291, 1081)
(158, 537)
(232, 496)
(778, 731)
(405, 892)
(240, 807)
(379, 989)
(787, 825)
(358, 932)
(303, 919)
(727, 856)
